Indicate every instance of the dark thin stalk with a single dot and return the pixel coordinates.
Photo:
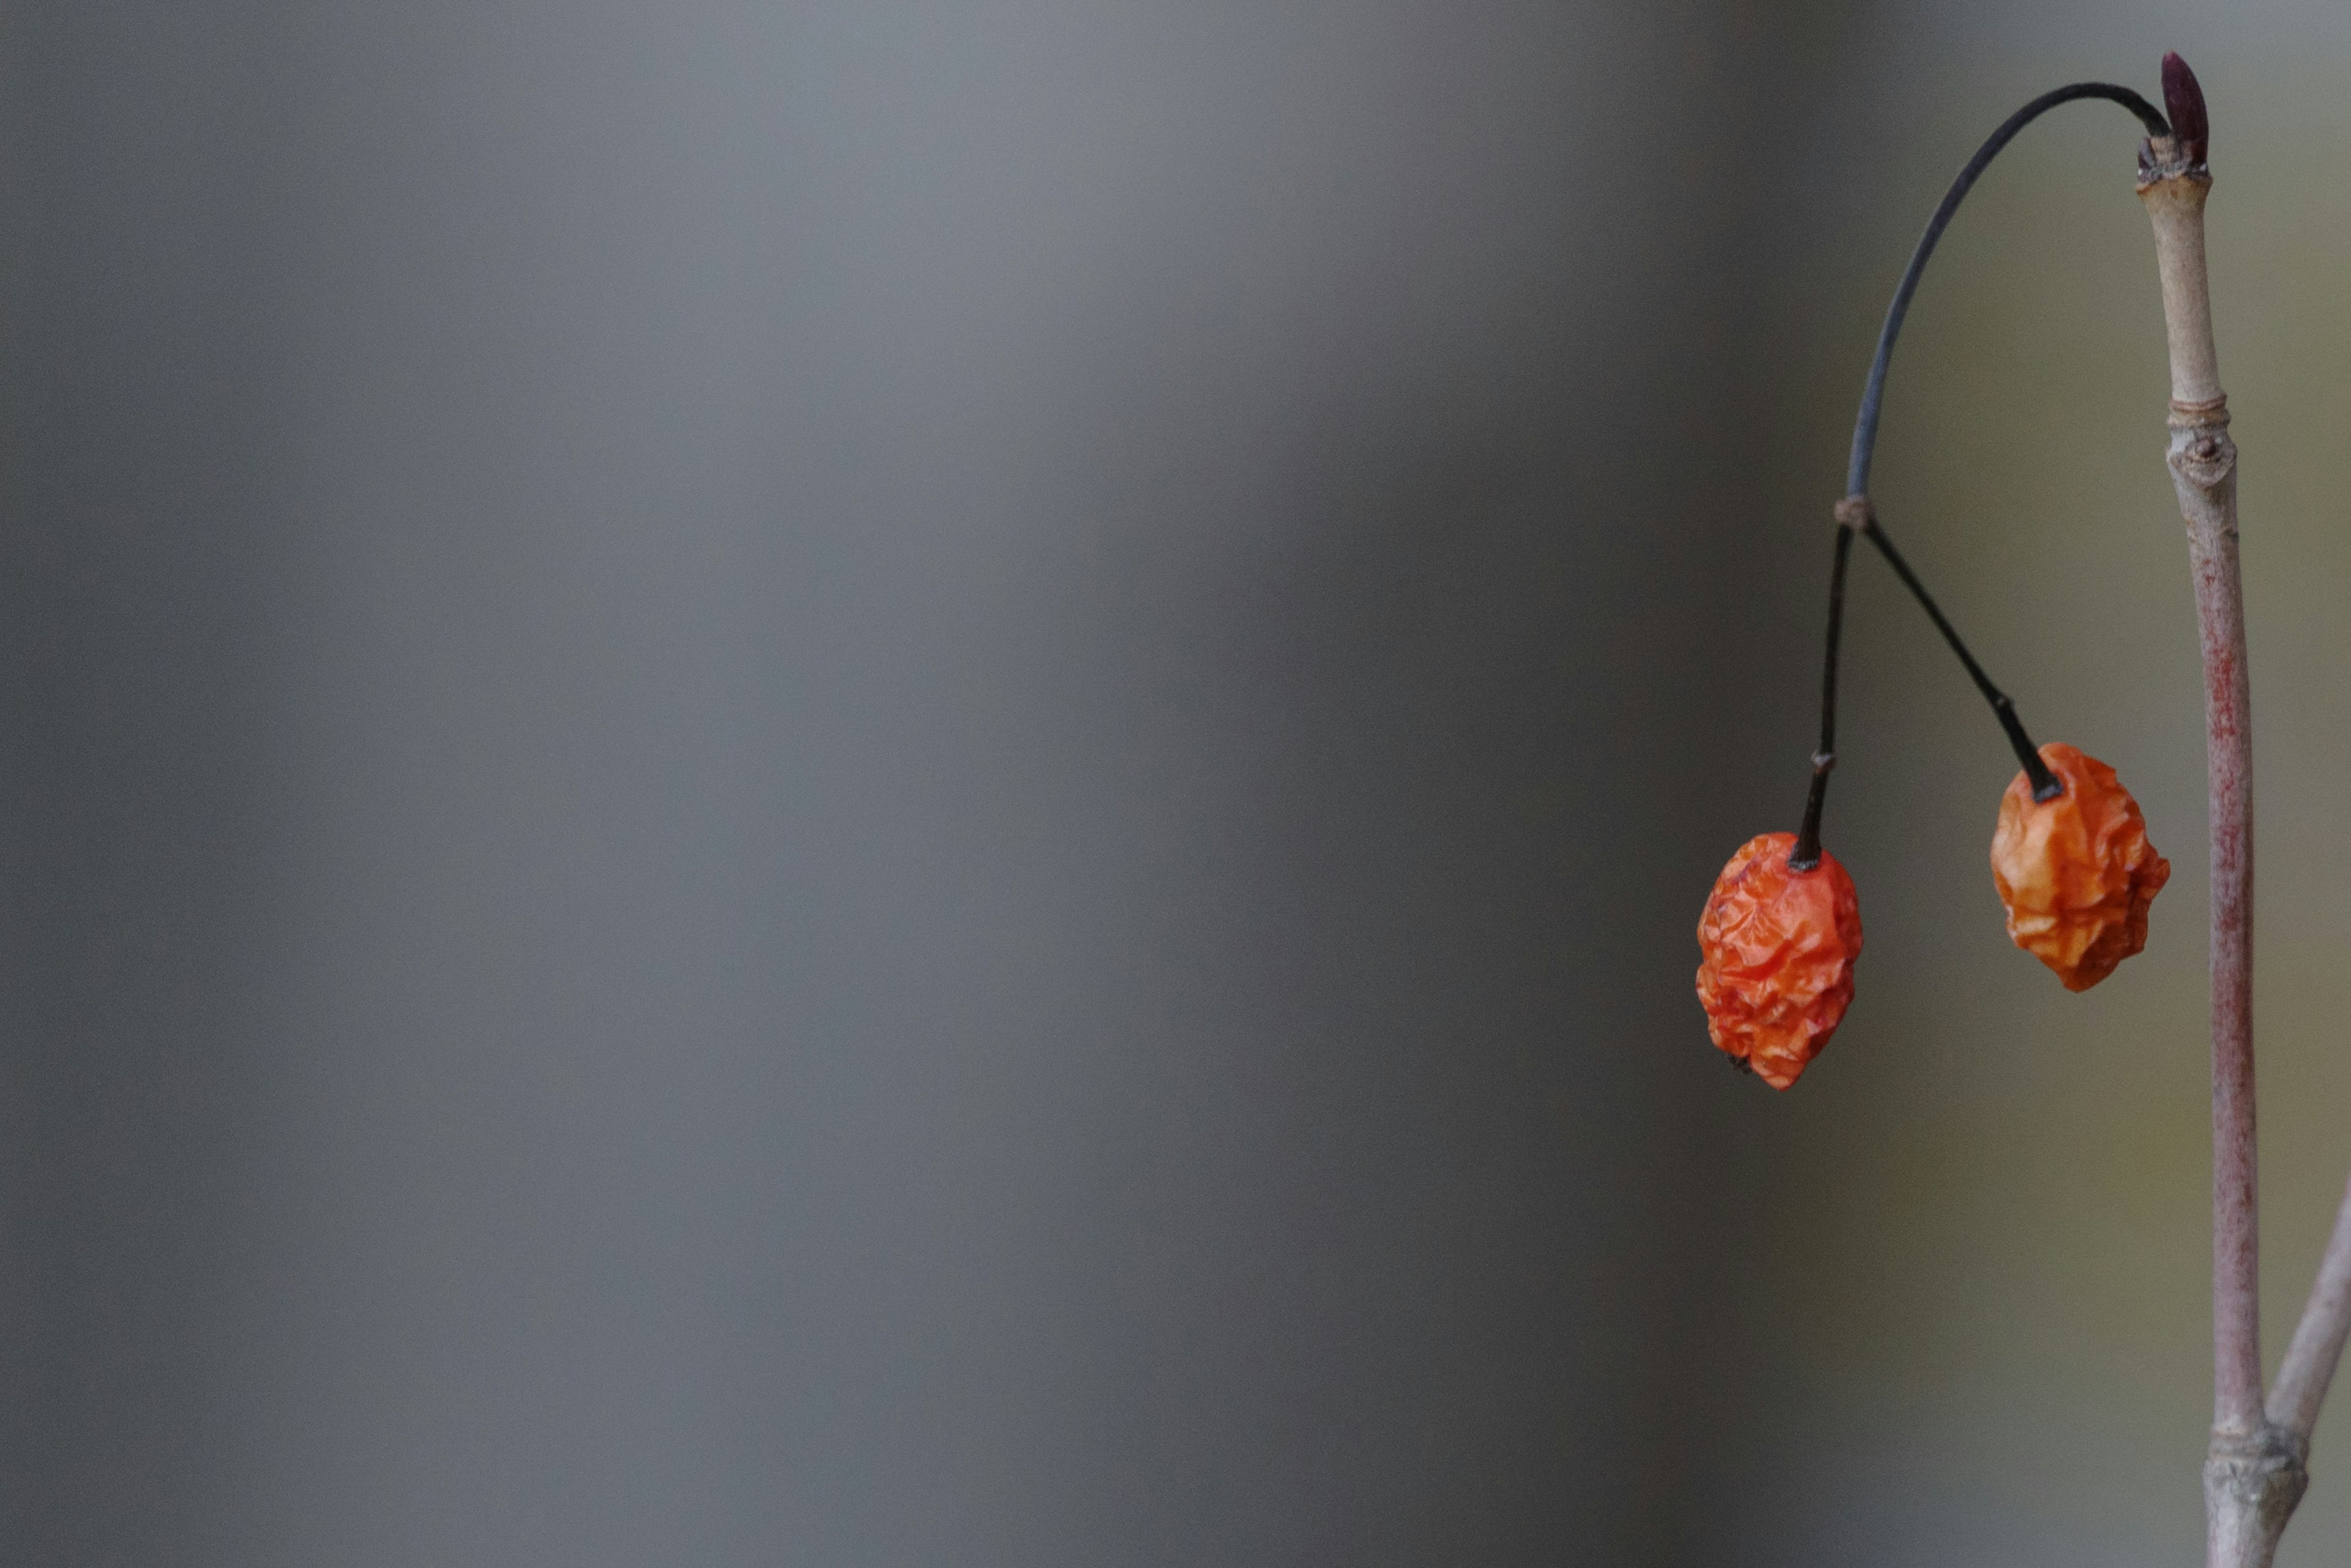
(1872, 393)
(2045, 786)
(1854, 511)
(1806, 855)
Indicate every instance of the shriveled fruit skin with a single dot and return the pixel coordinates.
(1777, 948)
(2076, 873)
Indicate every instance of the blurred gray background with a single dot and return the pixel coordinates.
(925, 783)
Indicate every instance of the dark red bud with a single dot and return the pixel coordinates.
(2183, 101)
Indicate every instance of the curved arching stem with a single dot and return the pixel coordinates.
(1872, 392)
(1854, 513)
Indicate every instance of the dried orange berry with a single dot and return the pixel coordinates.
(1778, 947)
(2075, 871)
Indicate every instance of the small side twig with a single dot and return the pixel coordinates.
(2317, 1347)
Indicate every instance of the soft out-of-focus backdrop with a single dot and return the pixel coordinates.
(924, 783)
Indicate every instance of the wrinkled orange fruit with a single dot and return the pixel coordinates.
(1778, 947)
(2076, 873)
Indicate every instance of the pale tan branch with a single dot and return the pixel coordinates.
(2254, 1473)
